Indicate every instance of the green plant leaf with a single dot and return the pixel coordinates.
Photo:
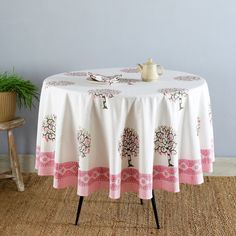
(26, 91)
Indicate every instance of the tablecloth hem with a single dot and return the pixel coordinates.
(129, 179)
(72, 181)
(46, 171)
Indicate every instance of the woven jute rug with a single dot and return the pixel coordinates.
(205, 210)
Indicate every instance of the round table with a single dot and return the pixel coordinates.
(126, 136)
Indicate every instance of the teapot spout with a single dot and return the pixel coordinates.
(140, 67)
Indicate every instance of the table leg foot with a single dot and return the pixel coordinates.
(79, 209)
(155, 209)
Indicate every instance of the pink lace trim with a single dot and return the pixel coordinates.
(163, 177)
(44, 162)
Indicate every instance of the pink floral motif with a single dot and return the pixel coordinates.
(84, 140)
(104, 94)
(66, 169)
(76, 73)
(198, 125)
(44, 161)
(129, 81)
(129, 145)
(187, 78)
(165, 142)
(49, 128)
(130, 70)
(175, 94)
(58, 83)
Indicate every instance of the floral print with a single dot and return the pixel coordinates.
(49, 128)
(187, 78)
(76, 73)
(165, 142)
(59, 83)
(175, 94)
(84, 142)
(104, 94)
(130, 70)
(129, 145)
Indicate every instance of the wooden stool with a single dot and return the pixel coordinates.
(15, 165)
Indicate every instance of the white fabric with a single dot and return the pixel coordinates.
(139, 106)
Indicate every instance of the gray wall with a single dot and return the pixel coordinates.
(40, 38)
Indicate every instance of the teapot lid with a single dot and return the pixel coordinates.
(149, 62)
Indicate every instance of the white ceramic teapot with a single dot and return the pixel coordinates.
(150, 71)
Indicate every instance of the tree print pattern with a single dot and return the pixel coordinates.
(129, 81)
(129, 145)
(84, 142)
(58, 83)
(198, 125)
(187, 78)
(76, 73)
(210, 113)
(49, 128)
(175, 94)
(165, 142)
(130, 70)
(104, 94)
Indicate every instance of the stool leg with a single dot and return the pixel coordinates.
(11, 159)
(141, 201)
(15, 162)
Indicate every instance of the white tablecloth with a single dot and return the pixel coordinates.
(128, 136)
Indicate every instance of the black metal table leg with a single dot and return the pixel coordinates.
(155, 209)
(79, 209)
(141, 201)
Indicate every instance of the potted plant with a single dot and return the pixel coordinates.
(14, 90)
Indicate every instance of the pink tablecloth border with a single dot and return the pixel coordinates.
(168, 178)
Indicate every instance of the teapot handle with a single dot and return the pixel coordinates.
(140, 67)
(160, 69)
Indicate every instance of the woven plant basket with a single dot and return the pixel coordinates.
(7, 106)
